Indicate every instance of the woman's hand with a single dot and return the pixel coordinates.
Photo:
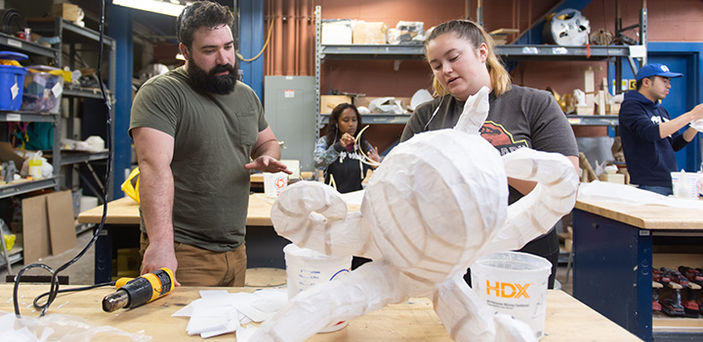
(373, 155)
(346, 140)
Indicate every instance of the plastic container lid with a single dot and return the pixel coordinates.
(12, 55)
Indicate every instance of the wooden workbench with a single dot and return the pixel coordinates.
(616, 245)
(567, 319)
(126, 211)
(264, 246)
(645, 216)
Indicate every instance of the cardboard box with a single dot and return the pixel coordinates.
(7, 153)
(585, 110)
(47, 225)
(328, 102)
(369, 33)
(67, 11)
(336, 33)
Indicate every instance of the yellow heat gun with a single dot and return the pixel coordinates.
(134, 292)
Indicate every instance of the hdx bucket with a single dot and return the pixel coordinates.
(515, 284)
(306, 268)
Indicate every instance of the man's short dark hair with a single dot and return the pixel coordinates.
(638, 85)
(201, 14)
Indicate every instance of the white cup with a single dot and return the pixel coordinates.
(687, 185)
(275, 183)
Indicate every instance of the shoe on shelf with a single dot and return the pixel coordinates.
(672, 308)
(659, 276)
(674, 276)
(656, 307)
(693, 274)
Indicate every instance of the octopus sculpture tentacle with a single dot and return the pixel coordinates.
(436, 204)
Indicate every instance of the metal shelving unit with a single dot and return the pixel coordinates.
(15, 44)
(78, 38)
(9, 190)
(511, 52)
(400, 119)
(18, 116)
(8, 42)
(77, 157)
(91, 93)
(508, 52)
(593, 120)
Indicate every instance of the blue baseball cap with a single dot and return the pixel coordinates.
(656, 69)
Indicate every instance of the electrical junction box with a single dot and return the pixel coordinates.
(289, 104)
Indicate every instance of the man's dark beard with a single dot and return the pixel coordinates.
(207, 81)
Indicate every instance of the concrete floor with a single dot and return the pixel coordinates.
(82, 272)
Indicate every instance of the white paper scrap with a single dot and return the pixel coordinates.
(209, 317)
(244, 333)
(187, 310)
(214, 294)
(231, 326)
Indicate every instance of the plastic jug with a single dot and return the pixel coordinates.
(34, 169)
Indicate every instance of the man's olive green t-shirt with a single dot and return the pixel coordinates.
(213, 139)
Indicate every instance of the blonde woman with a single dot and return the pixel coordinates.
(460, 54)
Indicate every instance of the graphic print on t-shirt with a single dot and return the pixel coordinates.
(500, 138)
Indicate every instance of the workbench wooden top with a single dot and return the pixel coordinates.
(646, 216)
(567, 319)
(126, 211)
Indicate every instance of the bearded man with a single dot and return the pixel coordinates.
(197, 132)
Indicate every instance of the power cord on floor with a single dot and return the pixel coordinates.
(54, 289)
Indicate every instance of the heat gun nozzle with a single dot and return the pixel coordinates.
(115, 301)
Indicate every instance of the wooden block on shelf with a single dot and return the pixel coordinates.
(585, 110)
(600, 95)
(369, 33)
(500, 36)
(328, 102)
(612, 108)
(589, 80)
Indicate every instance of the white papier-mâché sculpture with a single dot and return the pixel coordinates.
(436, 204)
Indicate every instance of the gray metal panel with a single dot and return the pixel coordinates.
(289, 103)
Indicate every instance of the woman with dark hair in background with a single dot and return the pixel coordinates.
(337, 154)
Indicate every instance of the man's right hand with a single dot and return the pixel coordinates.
(157, 256)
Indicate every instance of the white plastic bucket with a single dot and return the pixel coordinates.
(514, 283)
(306, 267)
(275, 183)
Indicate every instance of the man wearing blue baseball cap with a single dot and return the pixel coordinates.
(649, 135)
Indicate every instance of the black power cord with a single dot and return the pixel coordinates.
(54, 290)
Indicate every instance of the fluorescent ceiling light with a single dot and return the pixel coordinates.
(157, 6)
